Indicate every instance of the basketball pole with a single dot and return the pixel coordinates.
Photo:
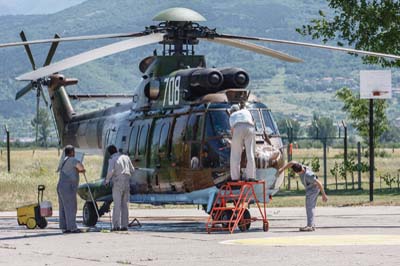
(371, 150)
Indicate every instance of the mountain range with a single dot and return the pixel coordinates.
(290, 90)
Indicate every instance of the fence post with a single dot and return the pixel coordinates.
(8, 148)
(359, 164)
(325, 179)
(289, 148)
(345, 148)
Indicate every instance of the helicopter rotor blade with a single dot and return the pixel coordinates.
(92, 55)
(311, 45)
(27, 49)
(24, 91)
(77, 38)
(52, 50)
(256, 48)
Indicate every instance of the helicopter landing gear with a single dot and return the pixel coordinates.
(89, 213)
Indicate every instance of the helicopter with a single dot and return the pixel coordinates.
(176, 127)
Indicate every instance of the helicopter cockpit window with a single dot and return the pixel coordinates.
(257, 120)
(217, 124)
(270, 125)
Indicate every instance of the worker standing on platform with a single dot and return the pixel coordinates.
(312, 186)
(243, 132)
(120, 169)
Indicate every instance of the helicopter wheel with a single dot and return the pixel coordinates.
(89, 213)
(245, 222)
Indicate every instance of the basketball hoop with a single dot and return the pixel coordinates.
(379, 93)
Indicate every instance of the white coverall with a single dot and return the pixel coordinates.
(243, 133)
(120, 169)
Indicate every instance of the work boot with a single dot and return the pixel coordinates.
(123, 229)
(307, 229)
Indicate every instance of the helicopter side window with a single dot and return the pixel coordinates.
(143, 139)
(178, 137)
(163, 138)
(156, 137)
(121, 139)
(217, 124)
(194, 127)
(270, 125)
(133, 140)
(257, 120)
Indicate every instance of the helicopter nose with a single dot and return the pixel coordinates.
(214, 78)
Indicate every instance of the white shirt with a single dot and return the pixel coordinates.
(241, 116)
(119, 165)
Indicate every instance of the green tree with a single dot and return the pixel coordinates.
(325, 127)
(358, 112)
(283, 127)
(372, 25)
(392, 134)
(43, 122)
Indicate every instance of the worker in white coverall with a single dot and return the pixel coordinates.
(243, 133)
(120, 169)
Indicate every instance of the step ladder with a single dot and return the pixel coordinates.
(230, 208)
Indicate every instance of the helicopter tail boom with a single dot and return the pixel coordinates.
(60, 103)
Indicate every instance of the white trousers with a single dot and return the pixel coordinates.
(120, 193)
(243, 134)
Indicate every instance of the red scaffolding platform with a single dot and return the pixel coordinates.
(230, 209)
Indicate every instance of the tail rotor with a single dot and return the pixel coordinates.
(37, 84)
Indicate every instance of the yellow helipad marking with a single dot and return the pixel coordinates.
(319, 240)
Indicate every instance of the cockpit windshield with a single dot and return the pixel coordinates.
(257, 120)
(270, 125)
(217, 124)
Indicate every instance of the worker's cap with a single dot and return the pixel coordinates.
(234, 108)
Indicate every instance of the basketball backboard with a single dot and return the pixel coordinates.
(375, 84)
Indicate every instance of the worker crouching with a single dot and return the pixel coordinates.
(120, 169)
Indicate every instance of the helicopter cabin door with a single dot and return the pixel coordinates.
(109, 138)
(178, 154)
(159, 150)
(137, 150)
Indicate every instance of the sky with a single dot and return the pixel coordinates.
(29, 7)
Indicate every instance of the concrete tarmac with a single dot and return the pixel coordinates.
(344, 236)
